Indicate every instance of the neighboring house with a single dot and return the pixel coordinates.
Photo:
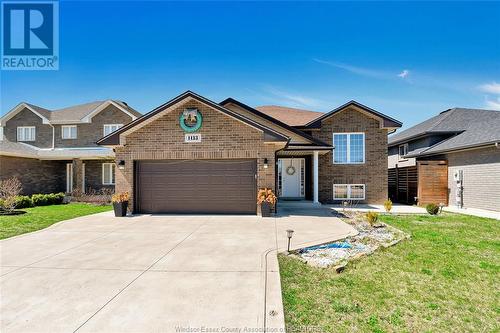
(192, 155)
(56, 151)
(452, 158)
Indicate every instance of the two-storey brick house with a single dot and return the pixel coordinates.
(56, 150)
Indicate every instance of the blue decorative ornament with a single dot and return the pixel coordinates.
(190, 120)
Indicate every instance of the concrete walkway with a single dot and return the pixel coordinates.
(158, 273)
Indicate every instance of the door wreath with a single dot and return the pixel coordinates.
(290, 170)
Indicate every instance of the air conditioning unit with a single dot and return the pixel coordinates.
(458, 175)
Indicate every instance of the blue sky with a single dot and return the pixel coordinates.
(408, 60)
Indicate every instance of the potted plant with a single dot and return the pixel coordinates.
(266, 199)
(120, 203)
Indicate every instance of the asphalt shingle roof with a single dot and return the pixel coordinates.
(76, 112)
(289, 116)
(473, 127)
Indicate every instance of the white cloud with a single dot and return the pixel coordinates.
(492, 88)
(286, 98)
(493, 104)
(404, 74)
(355, 69)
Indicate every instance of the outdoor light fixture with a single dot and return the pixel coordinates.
(265, 163)
(289, 234)
(121, 165)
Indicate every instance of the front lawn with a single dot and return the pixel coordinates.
(41, 217)
(445, 279)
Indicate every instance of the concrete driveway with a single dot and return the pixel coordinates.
(148, 273)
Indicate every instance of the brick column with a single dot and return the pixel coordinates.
(78, 175)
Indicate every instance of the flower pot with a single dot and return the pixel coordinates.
(120, 208)
(265, 209)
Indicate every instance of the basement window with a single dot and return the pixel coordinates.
(348, 191)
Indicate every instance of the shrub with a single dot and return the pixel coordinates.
(55, 198)
(9, 190)
(23, 201)
(432, 209)
(101, 197)
(388, 205)
(40, 199)
(372, 217)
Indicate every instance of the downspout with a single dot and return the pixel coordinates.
(53, 135)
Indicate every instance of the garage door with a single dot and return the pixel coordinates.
(196, 186)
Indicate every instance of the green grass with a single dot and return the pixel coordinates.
(41, 217)
(445, 279)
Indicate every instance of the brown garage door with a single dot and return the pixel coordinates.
(196, 186)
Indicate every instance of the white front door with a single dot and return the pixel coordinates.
(291, 176)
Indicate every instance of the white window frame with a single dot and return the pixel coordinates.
(21, 133)
(110, 126)
(69, 127)
(348, 134)
(349, 191)
(112, 170)
(1, 133)
(405, 151)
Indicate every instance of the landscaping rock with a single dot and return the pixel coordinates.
(367, 241)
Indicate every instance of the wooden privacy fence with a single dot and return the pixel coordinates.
(427, 181)
(432, 182)
(403, 183)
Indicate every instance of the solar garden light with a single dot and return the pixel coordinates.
(289, 234)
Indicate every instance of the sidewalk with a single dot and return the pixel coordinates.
(473, 211)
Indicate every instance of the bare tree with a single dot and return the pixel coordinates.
(9, 189)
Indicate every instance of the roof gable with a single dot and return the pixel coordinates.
(82, 113)
(118, 137)
(40, 112)
(385, 121)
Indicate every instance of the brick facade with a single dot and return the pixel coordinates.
(222, 138)
(88, 134)
(43, 132)
(373, 173)
(36, 176)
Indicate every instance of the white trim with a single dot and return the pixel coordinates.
(181, 100)
(1, 133)
(349, 147)
(22, 137)
(111, 173)
(18, 109)
(405, 148)
(69, 177)
(315, 177)
(349, 191)
(70, 127)
(118, 126)
(88, 118)
(83, 177)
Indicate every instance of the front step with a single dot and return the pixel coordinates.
(297, 204)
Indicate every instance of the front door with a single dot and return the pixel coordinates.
(291, 172)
